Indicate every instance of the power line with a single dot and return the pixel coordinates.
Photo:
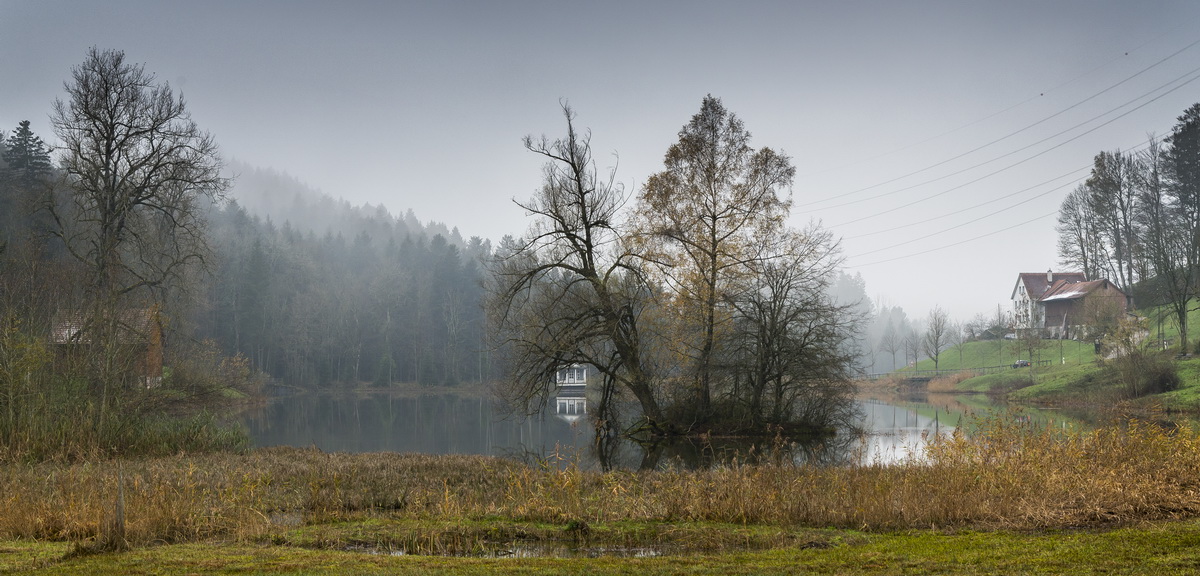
(1039, 95)
(1131, 149)
(981, 204)
(944, 247)
(1028, 158)
(1007, 136)
(968, 222)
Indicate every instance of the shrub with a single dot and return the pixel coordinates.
(1160, 375)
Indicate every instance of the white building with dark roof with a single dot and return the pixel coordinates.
(1054, 302)
(1028, 292)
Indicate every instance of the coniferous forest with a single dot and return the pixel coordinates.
(355, 295)
(352, 295)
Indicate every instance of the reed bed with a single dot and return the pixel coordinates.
(1006, 474)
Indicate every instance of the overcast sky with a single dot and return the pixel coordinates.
(936, 138)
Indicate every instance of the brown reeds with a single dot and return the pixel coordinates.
(949, 382)
(1007, 474)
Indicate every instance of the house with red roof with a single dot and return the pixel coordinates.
(1027, 295)
(1061, 304)
(1069, 307)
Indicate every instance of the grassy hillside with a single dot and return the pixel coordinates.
(1068, 372)
(1161, 320)
(992, 353)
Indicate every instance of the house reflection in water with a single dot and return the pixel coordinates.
(570, 398)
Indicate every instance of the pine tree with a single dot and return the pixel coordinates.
(26, 157)
(26, 164)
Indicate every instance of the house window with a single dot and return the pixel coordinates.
(572, 375)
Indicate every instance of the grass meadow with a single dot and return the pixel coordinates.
(1009, 482)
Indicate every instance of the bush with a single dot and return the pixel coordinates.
(1160, 375)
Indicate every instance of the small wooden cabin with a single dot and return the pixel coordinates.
(140, 329)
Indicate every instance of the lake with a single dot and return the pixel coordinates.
(891, 429)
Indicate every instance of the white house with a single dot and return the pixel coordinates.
(1054, 302)
(1028, 292)
(570, 399)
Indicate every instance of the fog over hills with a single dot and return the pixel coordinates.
(282, 198)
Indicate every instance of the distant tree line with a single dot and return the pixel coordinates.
(389, 303)
(1136, 220)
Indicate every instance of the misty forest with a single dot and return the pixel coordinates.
(138, 296)
(146, 283)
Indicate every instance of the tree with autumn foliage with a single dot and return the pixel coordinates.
(703, 306)
(708, 219)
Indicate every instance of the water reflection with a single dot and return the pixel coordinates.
(430, 424)
(885, 432)
(894, 432)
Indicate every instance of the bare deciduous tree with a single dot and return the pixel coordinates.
(136, 170)
(793, 335)
(890, 342)
(1079, 244)
(1113, 199)
(937, 333)
(956, 338)
(568, 292)
(1179, 248)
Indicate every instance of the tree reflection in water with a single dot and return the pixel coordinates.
(474, 424)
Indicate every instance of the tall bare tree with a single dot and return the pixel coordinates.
(890, 342)
(1181, 167)
(136, 172)
(956, 338)
(1113, 198)
(569, 291)
(912, 346)
(1157, 225)
(1079, 244)
(792, 337)
(137, 169)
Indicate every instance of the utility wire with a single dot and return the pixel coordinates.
(1131, 149)
(981, 204)
(968, 222)
(1002, 138)
(994, 114)
(980, 237)
(1028, 158)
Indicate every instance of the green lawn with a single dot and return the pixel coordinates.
(1162, 320)
(1168, 548)
(992, 353)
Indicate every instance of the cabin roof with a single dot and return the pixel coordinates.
(68, 327)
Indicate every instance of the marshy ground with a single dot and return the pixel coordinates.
(1009, 497)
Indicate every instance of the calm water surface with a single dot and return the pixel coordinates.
(888, 430)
